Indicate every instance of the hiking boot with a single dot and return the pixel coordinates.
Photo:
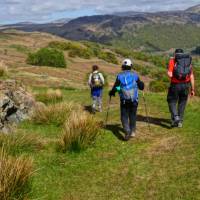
(132, 134)
(93, 111)
(175, 122)
(100, 110)
(177, 119)
(180, 125)
(127, 137)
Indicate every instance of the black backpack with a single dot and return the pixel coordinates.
(182, 67)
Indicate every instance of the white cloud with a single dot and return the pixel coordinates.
(27, 10)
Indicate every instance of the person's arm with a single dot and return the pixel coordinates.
(140, 84)
(170, 68)
(102, 78)
(114, 88)
(90, 80)
(192, 85)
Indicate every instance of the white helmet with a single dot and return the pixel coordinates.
(127, 62)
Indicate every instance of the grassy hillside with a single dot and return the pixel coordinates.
(79, 56)
(160, 163)
(160, 37)
(15, 47)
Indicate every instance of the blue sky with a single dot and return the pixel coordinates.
(12, 11)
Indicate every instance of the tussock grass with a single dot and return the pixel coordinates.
(18, 143)
(80, 131)
(3, 69)
(50, 96)
(14, 178)
(53, 114)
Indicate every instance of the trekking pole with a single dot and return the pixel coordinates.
(107, 113)
(147, 116)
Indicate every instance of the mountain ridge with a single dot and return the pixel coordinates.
(115, 27)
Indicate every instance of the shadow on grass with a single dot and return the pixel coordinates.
(162, 122)
(117, 130)
(88, 109)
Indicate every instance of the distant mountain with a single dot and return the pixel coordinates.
(148, 31)
(61, 21)
(128, 13)
(194, 9)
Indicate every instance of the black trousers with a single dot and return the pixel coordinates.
(177, 99)
(128, 115)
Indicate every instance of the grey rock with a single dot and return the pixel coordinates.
(13, 118)
(16, 104)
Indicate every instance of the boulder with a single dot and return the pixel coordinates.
(16, 104)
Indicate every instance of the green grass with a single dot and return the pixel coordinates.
(160, 37)
(161, 164)
(20, 48)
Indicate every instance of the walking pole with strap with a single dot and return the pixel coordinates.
(146, 111)
(108, 109)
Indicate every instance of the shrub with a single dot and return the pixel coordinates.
(87, 51)
(94, 47)
(75, 50)
(63, 45)
(109, 57)
(53, 114)
(138, 68)
(80, 131)
(145, 71)
(158, 86)
(15, 175)
(51, 96)
(47, 57)
(123, 52)
(81, 52)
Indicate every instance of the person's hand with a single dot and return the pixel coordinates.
(192, 93)
(141, 85)
(112, 93)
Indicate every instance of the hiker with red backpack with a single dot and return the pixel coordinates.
(182, 79)
(96, 83)
(127, 84)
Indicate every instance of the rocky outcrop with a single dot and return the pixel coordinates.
(16, 104)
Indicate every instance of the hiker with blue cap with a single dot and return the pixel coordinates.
(127, 84)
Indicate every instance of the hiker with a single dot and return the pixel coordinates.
(182, 78)
(127, 84)
(96, 83)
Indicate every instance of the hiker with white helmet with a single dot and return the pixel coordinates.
(96, 82)
(127, 84)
